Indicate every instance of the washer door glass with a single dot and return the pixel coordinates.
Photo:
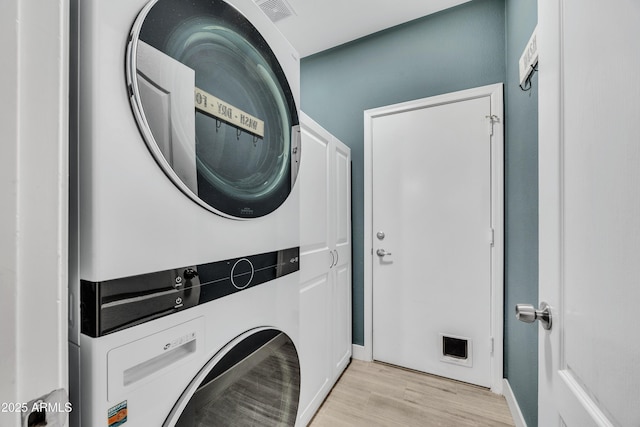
(254, 381)
(214, 106)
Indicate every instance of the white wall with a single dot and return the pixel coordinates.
(33, 200)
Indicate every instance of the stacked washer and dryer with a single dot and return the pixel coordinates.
(186, 304)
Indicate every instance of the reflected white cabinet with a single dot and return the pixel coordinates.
(325, 264)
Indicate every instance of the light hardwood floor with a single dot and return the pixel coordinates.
(374, 394)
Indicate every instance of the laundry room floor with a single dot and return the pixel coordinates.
(375, 394)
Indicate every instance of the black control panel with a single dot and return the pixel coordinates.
(113, 305)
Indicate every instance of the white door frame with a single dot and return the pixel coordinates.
(34, 185)
(495, 92)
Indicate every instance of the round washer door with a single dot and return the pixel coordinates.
(214, 106)
(253, 381)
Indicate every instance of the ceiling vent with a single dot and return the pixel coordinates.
(276, 10)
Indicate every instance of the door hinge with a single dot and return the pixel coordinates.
(491, 341)
(490, 121)
(492, 237)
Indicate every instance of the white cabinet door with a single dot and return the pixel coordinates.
(314, 352)
(341, 271)
(325, 264)
(315, 261)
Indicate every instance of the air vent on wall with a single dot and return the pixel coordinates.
(276, 10)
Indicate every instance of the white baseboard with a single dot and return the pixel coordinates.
(359, 352)
(518, 419)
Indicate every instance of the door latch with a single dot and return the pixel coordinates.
(382, 252)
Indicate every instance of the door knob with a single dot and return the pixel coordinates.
(528, 314)
(382, 252)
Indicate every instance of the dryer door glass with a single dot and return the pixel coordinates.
(214, 106)
(254, 381)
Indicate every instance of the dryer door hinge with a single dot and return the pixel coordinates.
(490, 121)
(491, 341)
(492, 237)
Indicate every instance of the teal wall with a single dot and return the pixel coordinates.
(521, 208)
(456, 49)
(474, 44)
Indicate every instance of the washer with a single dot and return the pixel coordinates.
(230, 362)
(186, 120)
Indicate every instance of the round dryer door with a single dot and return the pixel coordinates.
(214, 106)
(253, 381)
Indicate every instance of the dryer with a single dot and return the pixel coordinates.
(188, 135)
(186, 120)
(188, 149)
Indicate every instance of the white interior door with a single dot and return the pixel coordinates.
(432, 245)
(589, 373)
(167, 90)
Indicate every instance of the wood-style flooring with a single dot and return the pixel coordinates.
(374, 394)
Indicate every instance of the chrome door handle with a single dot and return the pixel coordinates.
(528, 314)
(382, 252)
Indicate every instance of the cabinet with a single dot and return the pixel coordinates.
(325, 264)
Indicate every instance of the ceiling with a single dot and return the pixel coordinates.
(316, 25)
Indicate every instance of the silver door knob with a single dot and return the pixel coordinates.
(382, 252)
(528, 314)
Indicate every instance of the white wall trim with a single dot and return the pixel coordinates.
(518, 419)
(34, 83)
(495, 92)
(359, 352)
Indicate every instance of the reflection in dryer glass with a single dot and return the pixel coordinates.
(218, 106)
(257, 383)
